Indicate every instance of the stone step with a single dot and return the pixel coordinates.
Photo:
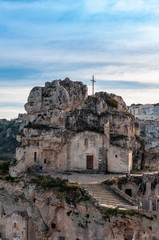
(106, 196)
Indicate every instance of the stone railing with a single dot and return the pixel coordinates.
(125, 196)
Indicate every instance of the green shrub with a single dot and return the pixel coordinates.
(4, 167)
(112, 103)
(46, 183)
(108, 213)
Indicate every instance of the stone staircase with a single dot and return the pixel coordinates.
(106, 197)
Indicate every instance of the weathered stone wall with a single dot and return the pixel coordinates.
(120, 160)
(62, 111)
(84, 144)
(146, 160)
(51, 216)
(132, 186)
(13, 226)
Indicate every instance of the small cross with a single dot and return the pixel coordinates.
(93, 81)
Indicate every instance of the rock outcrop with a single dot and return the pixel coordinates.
(62, 110)
(41, 208)
(65, 129)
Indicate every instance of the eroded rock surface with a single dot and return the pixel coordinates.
(61, 115)
(38, 208)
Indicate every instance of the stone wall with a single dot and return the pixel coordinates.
(14, 226)
(85, 144)
(53, 214)
(60, 115)
(132, 186)
(120, 160)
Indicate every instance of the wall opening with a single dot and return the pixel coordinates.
(106, 161)
(116, 155)
(35, 156)
(45, 161)
(86, 142)
(41, 169)
(128, 191)
(89, 162)
(15, 225)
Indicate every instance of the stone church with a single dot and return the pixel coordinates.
(67, 130)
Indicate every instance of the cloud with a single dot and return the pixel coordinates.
(12, 100)
(10, 112)
(136, 6)
(44, 40)
(95, 6)
(14, 94)
(131, 96)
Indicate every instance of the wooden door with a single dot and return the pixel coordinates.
(90, 162)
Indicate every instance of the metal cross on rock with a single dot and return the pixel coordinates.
(93, 81)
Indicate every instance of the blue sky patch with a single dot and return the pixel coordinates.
(116, 40)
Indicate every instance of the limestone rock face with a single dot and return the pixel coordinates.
(61, 95)
(50, 214)
(63, 109)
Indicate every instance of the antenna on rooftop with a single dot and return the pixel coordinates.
(93, 81)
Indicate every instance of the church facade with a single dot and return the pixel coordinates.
(84, 151)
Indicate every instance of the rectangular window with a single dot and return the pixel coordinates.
(35, 156)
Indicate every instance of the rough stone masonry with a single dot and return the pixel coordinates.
(68, 130)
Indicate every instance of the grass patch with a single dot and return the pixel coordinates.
(71, 192)
(108, 213)
(112, 103)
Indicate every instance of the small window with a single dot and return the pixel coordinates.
(15, 225)
(86, 141)
(116, 155)
(35, 156)
(45, 161)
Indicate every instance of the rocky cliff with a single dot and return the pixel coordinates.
(35, 207)
(63, 108)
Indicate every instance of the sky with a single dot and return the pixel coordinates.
(44, 40)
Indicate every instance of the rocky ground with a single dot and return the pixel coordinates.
(59, 208)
